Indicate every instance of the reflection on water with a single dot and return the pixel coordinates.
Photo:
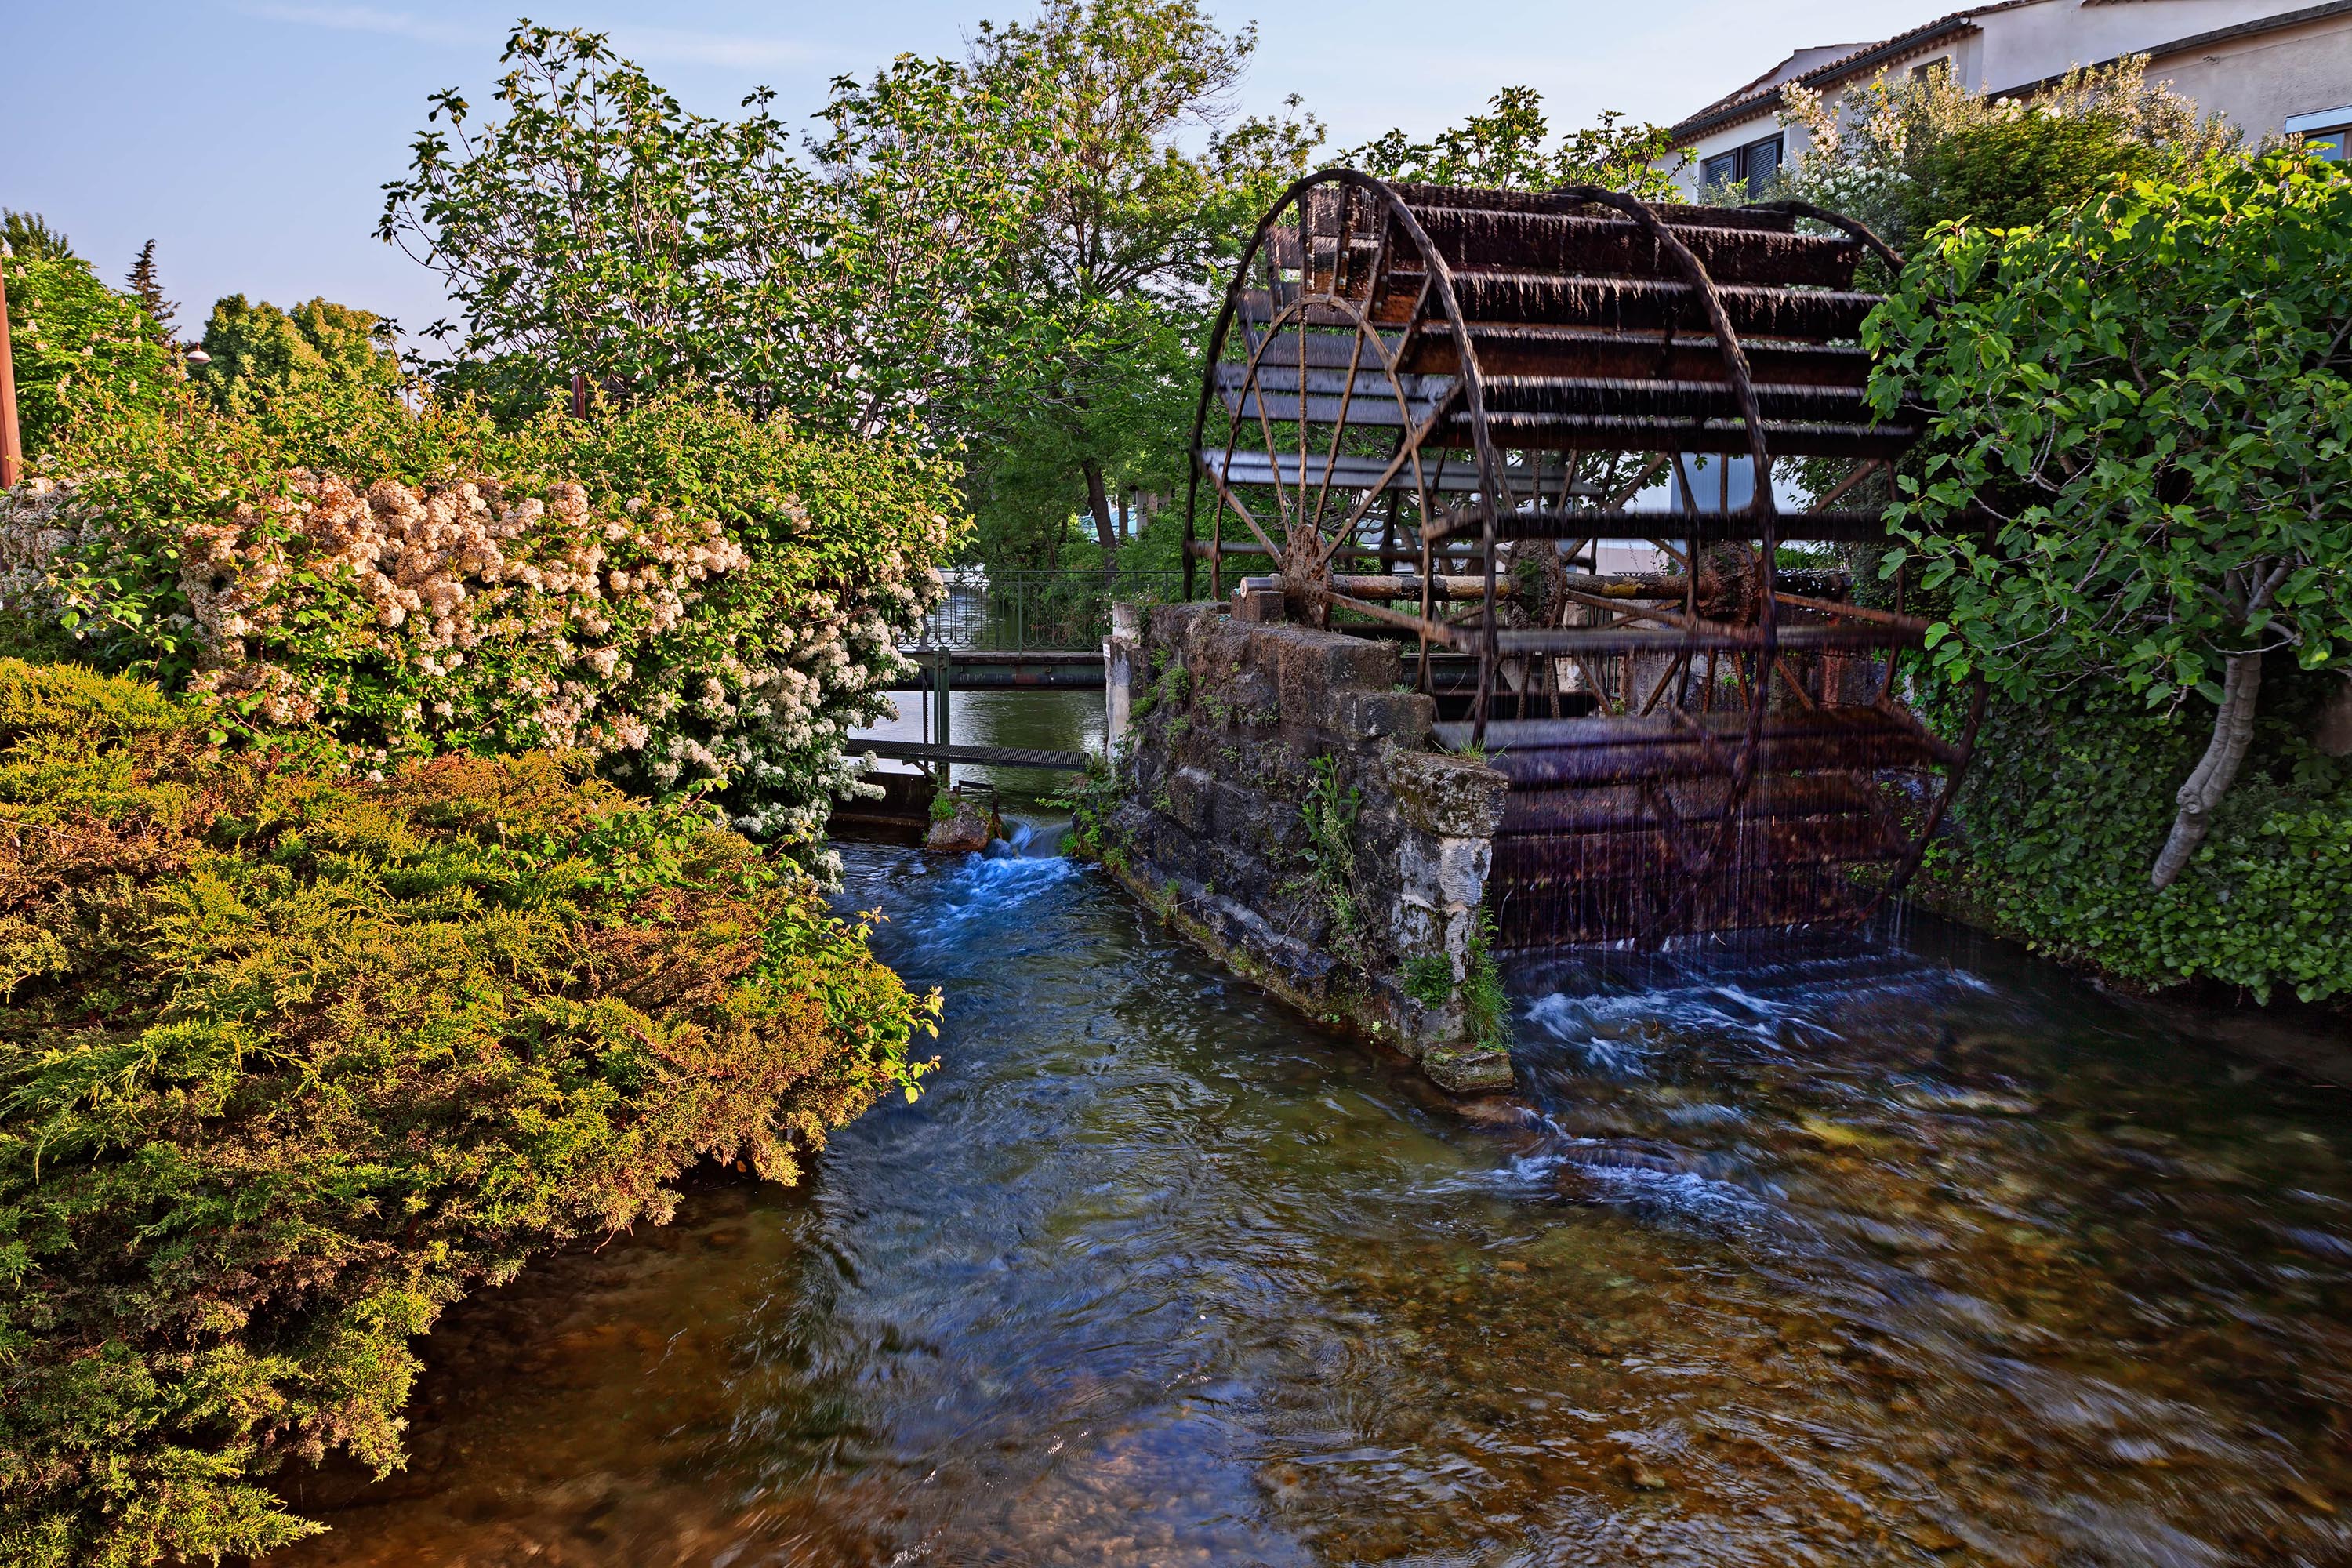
(1045, 721)
(1806, 1254)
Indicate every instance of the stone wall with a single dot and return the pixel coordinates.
(1277, 798)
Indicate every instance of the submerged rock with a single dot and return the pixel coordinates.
(961, 824)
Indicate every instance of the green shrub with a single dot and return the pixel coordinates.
(2062, 816)
(70, 334)
(697, 599)
(1091, 798)
(291, 1056)
(1428, 979)
(1903, 153)
(1328, 813)
(2013, 172)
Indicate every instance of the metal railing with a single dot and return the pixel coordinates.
(1002, 611)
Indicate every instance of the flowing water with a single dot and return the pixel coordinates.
(1812, 1251)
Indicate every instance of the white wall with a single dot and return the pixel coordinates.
(2259, 81)
(2033, 42)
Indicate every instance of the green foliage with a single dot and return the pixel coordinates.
(1328, 813)
(291, 1056)
(1091, 798)
(700, 600)
(1485, 1005)
(2150, 399)
(29, 238)
(260, 351)
(1428, 979)
(2015, 172)
(1505, 148)
(1016, 253)
(70, 334)
(2058, 815)
(1139, 187)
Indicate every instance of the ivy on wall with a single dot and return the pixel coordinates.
(2062, 812)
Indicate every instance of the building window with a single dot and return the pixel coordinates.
(2327, 132)
(1941, 66)
(1754, 166)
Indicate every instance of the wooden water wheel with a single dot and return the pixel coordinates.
(1432, 411)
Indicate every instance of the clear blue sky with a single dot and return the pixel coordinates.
(250, 137)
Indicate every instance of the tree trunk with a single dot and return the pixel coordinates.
(1106, 529)
(2233, 731)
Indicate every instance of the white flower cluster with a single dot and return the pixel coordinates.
(455, 615)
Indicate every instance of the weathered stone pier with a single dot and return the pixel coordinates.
(1278, 800)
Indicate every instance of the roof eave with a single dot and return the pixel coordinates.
(1877, 56)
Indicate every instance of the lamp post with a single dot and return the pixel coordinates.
(12, 448)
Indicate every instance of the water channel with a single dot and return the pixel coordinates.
(1813, 1250)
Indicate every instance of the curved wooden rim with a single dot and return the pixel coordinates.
(1495, 496)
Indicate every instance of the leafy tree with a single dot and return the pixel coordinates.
(258, 350)
(2149, 401)
(70, 334)
(568, 232)
(864, 291)
(1016, 252)
(600, 228)
(144, 283)
(1128, 233)
(1505, 148)
(29, 238)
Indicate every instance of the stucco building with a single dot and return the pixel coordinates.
(2270, 66)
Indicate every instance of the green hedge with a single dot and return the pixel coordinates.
(292, 1056)
(2062, 815)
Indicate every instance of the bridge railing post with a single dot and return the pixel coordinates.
(943, 711)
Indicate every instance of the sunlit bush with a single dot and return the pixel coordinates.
(291, 1056)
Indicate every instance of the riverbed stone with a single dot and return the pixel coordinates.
(1473, 1069)
(969, 824)
(1244, 721)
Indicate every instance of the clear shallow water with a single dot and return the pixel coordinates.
(1805, 1254)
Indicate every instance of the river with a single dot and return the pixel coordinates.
(1806, 1250)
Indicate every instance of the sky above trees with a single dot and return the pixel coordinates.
(250, 138)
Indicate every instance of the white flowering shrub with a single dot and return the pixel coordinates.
(697, 601)
(1900, 153)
